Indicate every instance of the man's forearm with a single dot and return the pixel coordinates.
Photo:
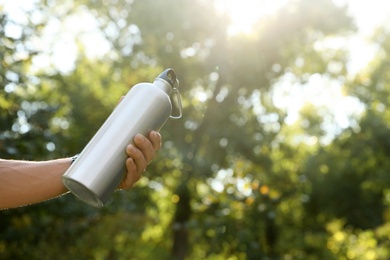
(25, 182)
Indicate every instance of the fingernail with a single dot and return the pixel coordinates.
(130, 148)
(131, 161)
(139, 138)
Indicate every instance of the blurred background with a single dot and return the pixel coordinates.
(282, 153)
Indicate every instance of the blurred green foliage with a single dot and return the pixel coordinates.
(233, 180)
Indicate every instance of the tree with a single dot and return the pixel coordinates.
(352, 171)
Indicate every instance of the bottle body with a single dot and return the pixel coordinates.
(101, 165)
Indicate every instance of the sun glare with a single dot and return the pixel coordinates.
(244, 14)
(321, 92)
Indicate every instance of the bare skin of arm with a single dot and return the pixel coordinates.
(29, 182)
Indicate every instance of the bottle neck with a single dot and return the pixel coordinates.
(163, 85)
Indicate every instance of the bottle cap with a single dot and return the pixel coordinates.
(169, 76)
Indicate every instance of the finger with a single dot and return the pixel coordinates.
(156, 140)
(138, 157)
(145, 146)
(132, 175)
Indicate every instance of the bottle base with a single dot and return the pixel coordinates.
(82, 192)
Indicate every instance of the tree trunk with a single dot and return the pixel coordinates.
(180, 230)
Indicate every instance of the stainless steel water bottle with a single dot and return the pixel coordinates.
(100, 167)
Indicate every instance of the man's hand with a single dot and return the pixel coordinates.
(140, 155)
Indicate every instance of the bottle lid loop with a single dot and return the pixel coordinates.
(176, 102)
